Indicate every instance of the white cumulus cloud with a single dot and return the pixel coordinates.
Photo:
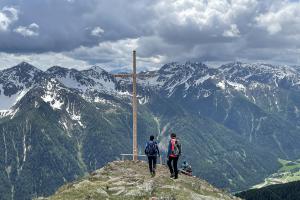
(42, 61)
(97, 31)
(285, 17)
(8, 15)
(28, 31)
(232, 32)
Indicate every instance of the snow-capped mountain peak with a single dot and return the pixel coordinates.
(190, 78)
(88, 83)
(15, 82)
(259, 73)
(97, 69)
(21, 72)
(25, 67)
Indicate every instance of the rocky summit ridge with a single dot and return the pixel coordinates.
(131, 180)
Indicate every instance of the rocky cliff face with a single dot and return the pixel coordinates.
(131, 180)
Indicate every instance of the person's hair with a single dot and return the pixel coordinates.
(173, 135)
(151, 137)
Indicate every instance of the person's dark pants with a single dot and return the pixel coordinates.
(152, 163)
(173, 169)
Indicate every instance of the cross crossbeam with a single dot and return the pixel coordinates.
(122, 75)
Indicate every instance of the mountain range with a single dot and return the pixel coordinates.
(234, 122)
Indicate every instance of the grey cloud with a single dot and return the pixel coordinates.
(105, 32)
(65, 25)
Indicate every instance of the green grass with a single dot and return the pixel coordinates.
(288, 172)
(289, 165)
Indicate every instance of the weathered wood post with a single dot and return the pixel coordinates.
(134, 109)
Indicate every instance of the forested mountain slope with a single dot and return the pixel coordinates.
(234, 122)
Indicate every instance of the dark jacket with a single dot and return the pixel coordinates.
(156, 146)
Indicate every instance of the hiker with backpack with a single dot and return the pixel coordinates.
(174, 151)
(152, 153)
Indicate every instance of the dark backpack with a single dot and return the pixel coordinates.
(151, 149)
(177, 149)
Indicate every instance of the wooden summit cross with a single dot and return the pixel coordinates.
(134, 105)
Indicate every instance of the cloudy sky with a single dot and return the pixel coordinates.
(80, 33)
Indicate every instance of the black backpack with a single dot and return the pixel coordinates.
(151, 149)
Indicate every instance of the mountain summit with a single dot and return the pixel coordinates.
(131, 180)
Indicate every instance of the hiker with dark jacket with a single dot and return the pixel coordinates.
(152, 152)
(174, 151)
(186, 168)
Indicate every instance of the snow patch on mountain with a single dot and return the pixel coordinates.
(52, 96)
(6, 102)
(237, 86)
(8, 113)
(100, 100)
(77, 118)
(221, 84)
(74, 113)
(171, 87)
(152, 79)
(104, 101)
(65, 126)
(52, 99)
(124, 93)
(102, 85)
(143, 100)
(70, 82)
(203, 79)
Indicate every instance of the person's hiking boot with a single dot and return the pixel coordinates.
(153, 173)
(175, 175)
(172, 175)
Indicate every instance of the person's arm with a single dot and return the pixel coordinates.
(169, 149)
(146, 148)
